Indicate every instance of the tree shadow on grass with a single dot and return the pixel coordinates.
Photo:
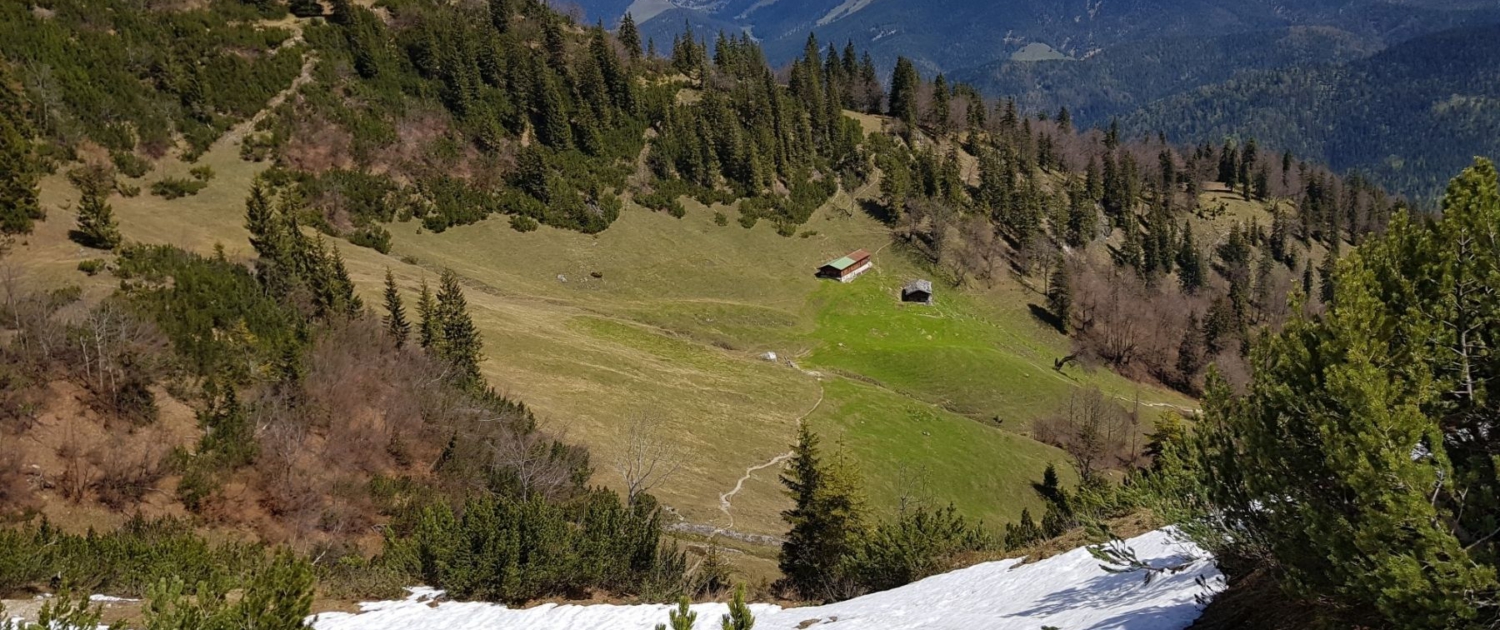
(877, 211)
(1046, 317)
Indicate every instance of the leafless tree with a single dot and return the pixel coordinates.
(531, 459)
(1091, 428)
(649, 458)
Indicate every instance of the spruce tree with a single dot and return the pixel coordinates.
(1132, 252)
(1326, 273)
(904, 85)
(430, 330)
(501, 12)
(1228, 167)
(941, 104)
(630, 37)
(1190, 352)
(345, 301)
(396, 324)
(1190, 271)
(1060, 294)
(96, 219)
(461, 345)
(1083, 217)
(825, 519)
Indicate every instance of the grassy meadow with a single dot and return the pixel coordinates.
(670, 318)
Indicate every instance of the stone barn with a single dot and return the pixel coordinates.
(917, 291)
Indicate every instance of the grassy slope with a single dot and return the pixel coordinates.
(674, 328)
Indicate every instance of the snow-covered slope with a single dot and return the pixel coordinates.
(1068, 591)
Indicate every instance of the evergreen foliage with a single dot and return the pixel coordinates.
(739, 617)
(456, 340)
(129, 77)
(680, 618)
(1360, 465)
(827, 520)
(18, 168)
(396, 324)
(518, 550)
(97, 227)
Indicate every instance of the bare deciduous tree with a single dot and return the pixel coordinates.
(649, 458)
(1091, 428)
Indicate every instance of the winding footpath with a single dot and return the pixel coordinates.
(726, 499)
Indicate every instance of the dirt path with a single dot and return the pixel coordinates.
(238, 132)
(726, 499)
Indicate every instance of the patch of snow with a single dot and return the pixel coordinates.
(110, 598)
(1070, 591)
(643, 10)
(848, 8)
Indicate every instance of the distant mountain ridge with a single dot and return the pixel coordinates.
(948, 35)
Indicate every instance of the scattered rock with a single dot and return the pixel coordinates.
(769, 356)
(562, 278)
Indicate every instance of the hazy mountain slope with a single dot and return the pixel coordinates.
(1121, 78)
(1410, 115)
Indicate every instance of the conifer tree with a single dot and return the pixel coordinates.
(396, 324)
(1083, 218)
(1190, 271)
(501, 12)
(941, 104)
(342, 299)
(1190, 352)
(1065, 120)
(96, 219)
(680, 618)
(1132, 252)
(1093, 180)
(461, 345)
(1228, 168)
(904, 85)
(1060, 294)
(1326, 276)
(739, 617)
(630, 37)
(551, 119)
(18, 170)
(1361, 459)
(826, 519)
(430, 330)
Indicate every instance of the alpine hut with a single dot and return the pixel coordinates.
(846, 268)
(918, 291)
